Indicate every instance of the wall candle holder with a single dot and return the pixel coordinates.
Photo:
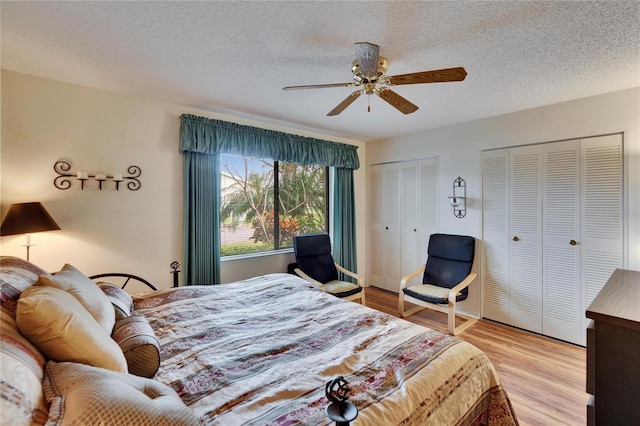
(63, 180)
(458, 199)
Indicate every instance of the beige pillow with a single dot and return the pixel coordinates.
(83, 395)
(61, 328)
(86, 291)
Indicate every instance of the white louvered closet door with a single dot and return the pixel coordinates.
(602, 215)
(563, 202)
(378, 244)
(428, 207)
(409, 220)
(393, 198)
(561, 241)
(403, 208)
(495, 208)
(525, 298)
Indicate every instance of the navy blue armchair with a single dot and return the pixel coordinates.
(445, 279)
(316, 265)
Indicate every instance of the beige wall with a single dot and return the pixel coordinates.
(459, 149)
(138, 232)
(141, 231)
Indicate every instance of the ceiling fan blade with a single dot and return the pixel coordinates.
(367, 56)
(319, 86)
(344, 104)
(435, 76)
(397, 101)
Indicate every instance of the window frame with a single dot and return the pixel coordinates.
(276, 225)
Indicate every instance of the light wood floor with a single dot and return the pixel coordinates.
(544, 378)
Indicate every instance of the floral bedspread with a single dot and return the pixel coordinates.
(260, 351)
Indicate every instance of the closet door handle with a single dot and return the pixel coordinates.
(386, 227)
(573, 242)
(516, 238)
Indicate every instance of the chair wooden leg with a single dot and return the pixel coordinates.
(462, 327)
(357, 297)
(451, 316)
(402, 312)
(453, 330)
(362, 298)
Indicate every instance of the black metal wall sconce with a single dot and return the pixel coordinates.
(63, 181)
(459, 198)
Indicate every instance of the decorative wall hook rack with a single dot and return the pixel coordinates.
(63, 180)
(459, 198)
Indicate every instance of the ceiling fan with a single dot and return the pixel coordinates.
(369, 71)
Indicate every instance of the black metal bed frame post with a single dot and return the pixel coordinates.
(176, 272)
(339, 409)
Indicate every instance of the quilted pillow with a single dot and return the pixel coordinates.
(86, 291)
(119, 298)
(139, 345)
(21, 364)
(61, 328)
(84, 395)
(21, 371)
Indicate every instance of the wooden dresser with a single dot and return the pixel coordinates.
(613, 352)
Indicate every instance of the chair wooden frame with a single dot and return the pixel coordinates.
(358, 296)
(449, 309)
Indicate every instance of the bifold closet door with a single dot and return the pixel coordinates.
(385, 225)
(495, 214)
(408, 220)
(377, 208)
(512, 236)
(427, 207)
(561, 241)
(403, 216)
(552, 232)
(602, 215)
(525, 245)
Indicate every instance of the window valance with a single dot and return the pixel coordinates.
(210, 136)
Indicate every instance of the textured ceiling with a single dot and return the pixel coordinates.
(235, 57)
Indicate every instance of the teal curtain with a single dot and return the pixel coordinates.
(201, 253)
(208, 136)
(202, 140)
(344, 221)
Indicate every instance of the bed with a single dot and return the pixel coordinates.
(260, 351)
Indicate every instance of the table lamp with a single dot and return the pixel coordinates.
(25, 218)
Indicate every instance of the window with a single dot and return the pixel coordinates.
(266, 203)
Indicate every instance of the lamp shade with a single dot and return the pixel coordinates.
(24, 218)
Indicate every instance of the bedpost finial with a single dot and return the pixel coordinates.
(339, 409)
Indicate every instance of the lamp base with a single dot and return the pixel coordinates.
(28, 246)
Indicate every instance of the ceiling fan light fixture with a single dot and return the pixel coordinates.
(369, 70)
